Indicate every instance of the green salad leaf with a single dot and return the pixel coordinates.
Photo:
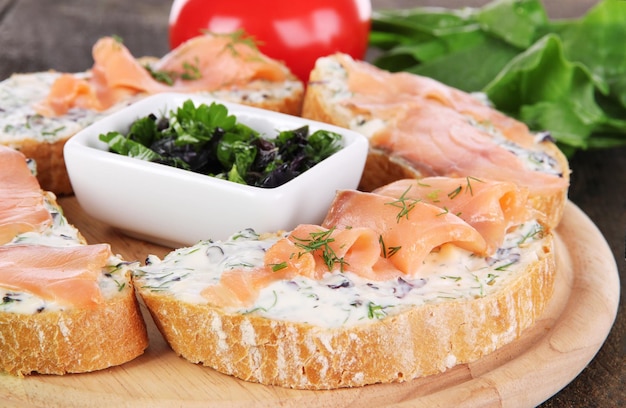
(566, 76)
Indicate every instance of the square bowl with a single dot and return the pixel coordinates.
(175, 207)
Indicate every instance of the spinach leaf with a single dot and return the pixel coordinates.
(516, 22)
(565, 76)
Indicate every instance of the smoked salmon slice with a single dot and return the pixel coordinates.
(441, 131)
(408, 229)
(369, 83)
(218, 61)
(205, 63)
(22, 206)
(66, 275)
(439, 141)
(491, 207)
(378, 237)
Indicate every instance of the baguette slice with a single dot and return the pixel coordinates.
(357, 95)
(342, 330)
(48, 335)
(38, 137)
(41, 137)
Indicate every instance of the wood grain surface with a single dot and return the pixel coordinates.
(38, 35)
(521, 374)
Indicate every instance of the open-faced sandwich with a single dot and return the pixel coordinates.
(396, 284)
(67, 307)
(40, 111)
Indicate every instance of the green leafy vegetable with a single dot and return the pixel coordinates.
(207, 139)
(564, 76)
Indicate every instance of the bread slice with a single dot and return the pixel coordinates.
(365, 100)
(42, 137)
(38, 137)
(47, 335)
(343, 330)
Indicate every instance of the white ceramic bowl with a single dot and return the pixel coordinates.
(176, 207)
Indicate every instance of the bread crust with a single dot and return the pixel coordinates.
(51, 172)
(418, 342)
(73, 340)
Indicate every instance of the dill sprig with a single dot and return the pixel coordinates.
(536, 231)
(191, 71)
(383, 247)
(375, 311)
(452, 194)
(320, 242)
(405, 204)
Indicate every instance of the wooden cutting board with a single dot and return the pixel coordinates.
(525, 373)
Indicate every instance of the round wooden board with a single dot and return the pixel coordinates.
(525, 373)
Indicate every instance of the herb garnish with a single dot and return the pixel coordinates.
(375, 311)
(263, 309)
(536, 231)
(240, 37)
(206, 139)
(383, 247)
(452, 195)
(53, 132)
(191, 71)
(404, 204)
(279, 266)
(319, 241)
(468, 188)
(10, 298)
(505, 266)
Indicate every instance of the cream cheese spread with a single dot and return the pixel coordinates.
(20, 93)
(340, 298)
(19, 119)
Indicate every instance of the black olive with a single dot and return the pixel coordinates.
(266, 153)
(163, 124)
(279, 176)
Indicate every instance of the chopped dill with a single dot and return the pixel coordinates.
(406, 205)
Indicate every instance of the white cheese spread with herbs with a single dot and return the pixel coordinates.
(60, 233)
(20, 121)
(340, 298)
(258, 93)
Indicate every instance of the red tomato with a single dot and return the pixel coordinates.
(294, 31)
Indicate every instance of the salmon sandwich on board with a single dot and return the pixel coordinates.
(418, 127)
(40, 111)
(403, 282)
(67, 307)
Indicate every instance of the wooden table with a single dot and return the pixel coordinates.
(38, 35)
